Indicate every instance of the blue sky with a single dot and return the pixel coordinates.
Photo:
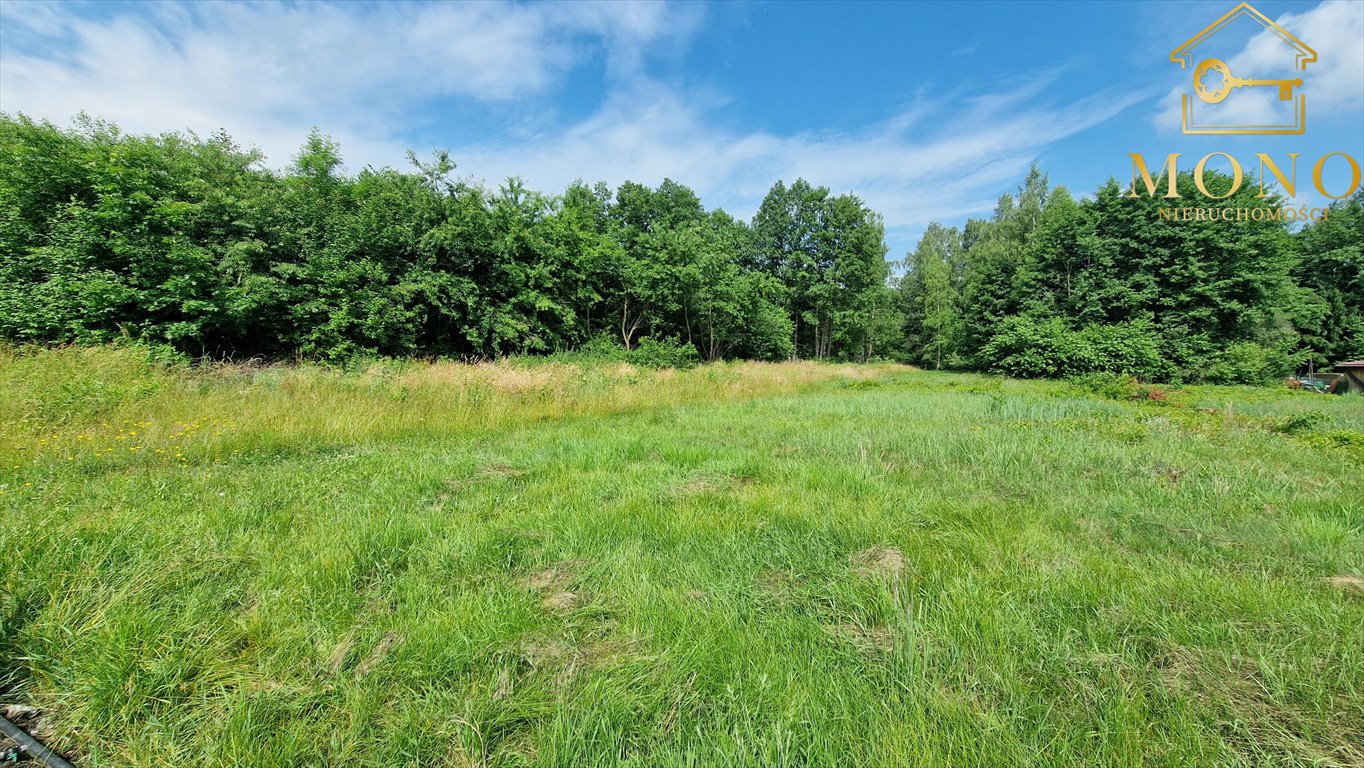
(928, 111)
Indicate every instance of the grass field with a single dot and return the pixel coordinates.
(590, 565)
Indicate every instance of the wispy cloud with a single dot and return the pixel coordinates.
(367, 74)
(268, 71)
(943, 159)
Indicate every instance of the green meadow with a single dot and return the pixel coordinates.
(572, 563)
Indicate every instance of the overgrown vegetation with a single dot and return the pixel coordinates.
(553, 563)
(191, 243)
(1052, 286)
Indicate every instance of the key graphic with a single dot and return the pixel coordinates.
(1229, 81)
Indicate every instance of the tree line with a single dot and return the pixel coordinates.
(1121, 283)
(193, 243)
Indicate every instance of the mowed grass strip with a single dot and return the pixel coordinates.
(739, 565)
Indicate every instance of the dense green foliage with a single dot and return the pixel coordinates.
(193, 244)
(1054, 287)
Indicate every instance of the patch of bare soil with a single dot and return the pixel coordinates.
(32, 721)
(879, 563)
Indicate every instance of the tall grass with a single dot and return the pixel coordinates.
(97, 406)
(587, 565)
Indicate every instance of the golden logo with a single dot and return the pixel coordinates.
(1214, 82)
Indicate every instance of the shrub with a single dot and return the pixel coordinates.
(1032, 348)
(1130, 349)
(1248, 363)
(649, 352)
(1113, 386)
(1029, 348)
(662, 353)
(601, 347)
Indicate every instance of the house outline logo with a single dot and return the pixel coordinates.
(1183, 55)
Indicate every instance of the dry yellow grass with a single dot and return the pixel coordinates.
(126, 404)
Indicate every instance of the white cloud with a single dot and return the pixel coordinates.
(908, 172)
(269, 72)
